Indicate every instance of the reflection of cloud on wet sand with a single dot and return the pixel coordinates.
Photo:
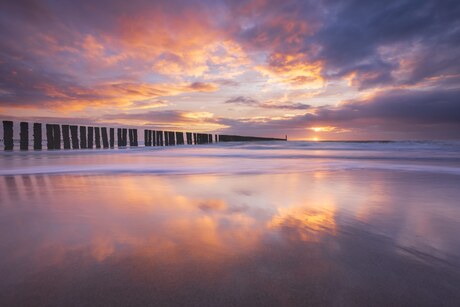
(304, 224)
(176, 241)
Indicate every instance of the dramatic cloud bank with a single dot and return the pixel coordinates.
(349, 69)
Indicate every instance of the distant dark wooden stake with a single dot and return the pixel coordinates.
(125, 137)
(97, 137)
(160, 138)
(147, 138)
(131, 137)
(66, 136)
(90, 137)
(112, 137)
(8, 135)
(49, 136)
(37, 136)
(83, 137)
(105, 139)
(135, 143)
(24, 136)
(74, 135)
(119, 139)
(57, 136)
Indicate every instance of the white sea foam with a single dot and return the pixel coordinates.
(241, 158)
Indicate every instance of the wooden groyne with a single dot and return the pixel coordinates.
(239, 138)
(89, 137)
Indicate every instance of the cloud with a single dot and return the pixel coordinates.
(71, 55)
(242, 100)
(170, 120)
(402, 114)
(108, 55)
(271, 104)
(375, 42)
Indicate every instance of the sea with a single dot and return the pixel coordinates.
(232, 224)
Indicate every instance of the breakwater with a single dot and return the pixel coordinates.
(63, 136)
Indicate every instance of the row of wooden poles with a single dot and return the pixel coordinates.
(90, 137)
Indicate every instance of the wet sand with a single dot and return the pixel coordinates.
(345, 237)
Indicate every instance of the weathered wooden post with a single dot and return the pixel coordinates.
(135, 143)
(195, 141)
(8, 135)
(112, 137)
(172, 140)
(66, 136)
(155, 138)
(146, 138)
(210, 138)
(57, 136)
(160, 138)
(83, 143)
(189, 137)
(125, 137)
(131, 137)
(37, 136)
(90, 137)
(166, 137)
(97, 137)
(119, 139)
(179, 138)
(24, 136)
(105, 139)
(215, 138)
(49, 136)
(74, 136)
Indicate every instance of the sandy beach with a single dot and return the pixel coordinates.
(227, 225)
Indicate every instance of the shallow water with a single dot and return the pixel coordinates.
(335, 224)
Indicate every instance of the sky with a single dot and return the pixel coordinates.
(312, 70)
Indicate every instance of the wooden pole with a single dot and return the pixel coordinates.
(8, 135)
(135, 142)
(112, 137)
(105, 139)
(160, 138)
(57, 136)
(131, 137)
(66, 136)
(146, 137)
(24, 136)
(90, 137)
(37, 136)
(97, 137)
(153, 137)
(119, 139)
(83, 144)
(49, 136)
(179, 138)
(74, 135)
(166, 138)
(124, 137)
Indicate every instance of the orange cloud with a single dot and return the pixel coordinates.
(294, 70)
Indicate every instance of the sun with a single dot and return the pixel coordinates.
(316, 139)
